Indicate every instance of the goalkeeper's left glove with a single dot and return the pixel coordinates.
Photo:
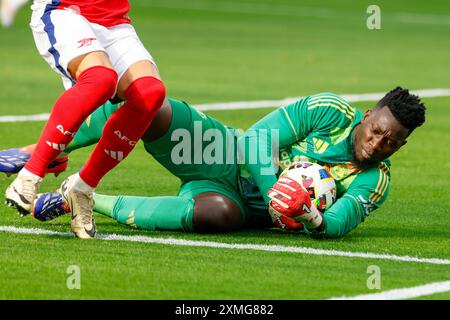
(290, 199)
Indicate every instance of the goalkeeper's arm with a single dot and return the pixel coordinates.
(345, 215)
(366, 193)
(262, 142)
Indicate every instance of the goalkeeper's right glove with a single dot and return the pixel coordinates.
(284, 222)
(290, 199)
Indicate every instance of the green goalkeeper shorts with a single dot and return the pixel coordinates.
(200, 151)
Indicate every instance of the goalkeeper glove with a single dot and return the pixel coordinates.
(290, 199)
(283, 222)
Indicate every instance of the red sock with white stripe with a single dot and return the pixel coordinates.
(93, 88)
(124, 128)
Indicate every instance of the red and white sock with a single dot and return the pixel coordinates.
(124, 128)
(93, 88)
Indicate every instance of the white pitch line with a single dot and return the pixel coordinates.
(404, 293)
(33, 117)
(352, 97)
(238, 246)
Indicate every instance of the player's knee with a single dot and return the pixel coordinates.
(228, 217)
(108, 83)
(98, 84)
(104, 79)
(151, 93)
(216, 213)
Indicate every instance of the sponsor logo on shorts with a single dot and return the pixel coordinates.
(86, 42)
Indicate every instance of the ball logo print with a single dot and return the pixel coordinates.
(317, 182)
(301, 196)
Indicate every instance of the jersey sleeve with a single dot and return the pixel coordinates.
(260, 145)
(365, 194)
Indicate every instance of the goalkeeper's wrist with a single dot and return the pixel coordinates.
(319, 231)
(313, 220)
(317, 224)
(321, 227)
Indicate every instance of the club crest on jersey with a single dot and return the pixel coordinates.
(125, 138)
(86, 42)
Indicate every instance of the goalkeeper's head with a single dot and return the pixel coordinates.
(384, 129)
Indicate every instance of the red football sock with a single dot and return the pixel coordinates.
(124, 128)
(93, 88)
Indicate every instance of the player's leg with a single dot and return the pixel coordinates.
(90, 132)
(206, 212)
(184, 149)
(149, 213)
(13, 160)
(202, 179)
(95, 83)
(90, 78)
(201, 206)
(213, 187)
(144, 92)
(215, 212)
(141, 87)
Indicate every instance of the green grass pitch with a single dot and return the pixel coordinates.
(216, 51)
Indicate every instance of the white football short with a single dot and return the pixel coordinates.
(62, 35)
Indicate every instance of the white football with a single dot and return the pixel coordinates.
(316, 180)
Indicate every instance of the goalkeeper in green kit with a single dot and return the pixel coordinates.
(229, 178)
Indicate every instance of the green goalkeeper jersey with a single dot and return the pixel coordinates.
(318, 128)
